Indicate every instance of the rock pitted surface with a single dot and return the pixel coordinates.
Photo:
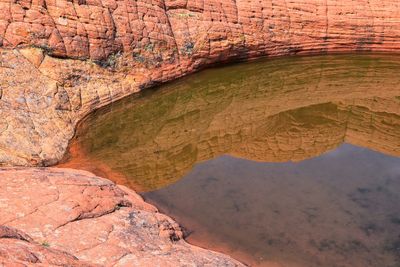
(62, 59)
(67, 217)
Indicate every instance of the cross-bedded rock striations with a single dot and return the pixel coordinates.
(202, 30)
(62, 59)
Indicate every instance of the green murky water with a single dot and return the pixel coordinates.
(285, 162)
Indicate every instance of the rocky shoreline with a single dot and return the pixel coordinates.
(59, 217)
(61, 60)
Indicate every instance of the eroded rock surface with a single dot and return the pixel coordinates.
(60, 60)
(205, 30)
(67, 217)
(19, 249)
(110, 49)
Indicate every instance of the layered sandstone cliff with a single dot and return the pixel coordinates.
(60, 60)
(193, 32)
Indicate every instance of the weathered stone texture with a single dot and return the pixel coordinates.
(60, 60)
(73, 218)
(203, 29)
(110, 49)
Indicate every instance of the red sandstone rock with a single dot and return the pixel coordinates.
(203, 31)
(111, 49)
(73, 218)
(19, 249)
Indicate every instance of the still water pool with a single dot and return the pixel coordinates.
(290, 162)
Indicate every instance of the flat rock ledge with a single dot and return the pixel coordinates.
(65, 217)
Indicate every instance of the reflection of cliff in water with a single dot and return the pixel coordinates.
(275, 111)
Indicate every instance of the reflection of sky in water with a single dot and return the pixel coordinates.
(345, 149)
(338, 209)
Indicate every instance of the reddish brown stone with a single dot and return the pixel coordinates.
(127, 46)
(67, 217)
(19, 249)
(113, 48)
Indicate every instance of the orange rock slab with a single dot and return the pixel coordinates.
(68, 217)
